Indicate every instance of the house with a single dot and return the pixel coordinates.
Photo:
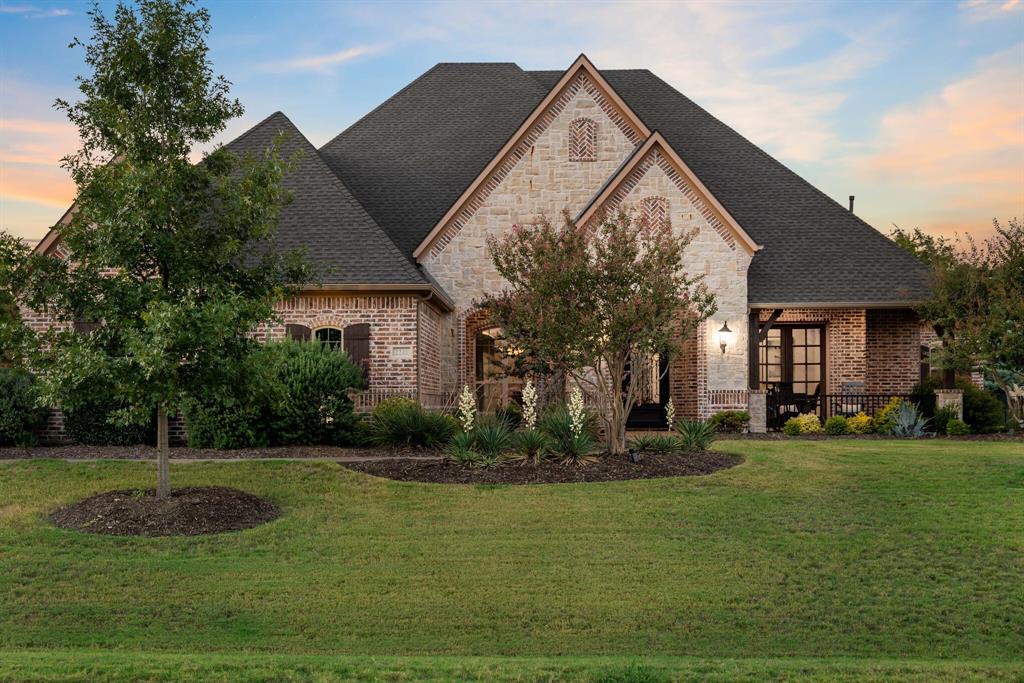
(396, 210)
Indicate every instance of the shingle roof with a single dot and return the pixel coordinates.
(412, 157)
(342, 241)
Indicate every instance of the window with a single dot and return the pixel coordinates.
(794, 355)
(654, 212)
(582, 140)
(329, 336)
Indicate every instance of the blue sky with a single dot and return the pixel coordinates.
(915, 107)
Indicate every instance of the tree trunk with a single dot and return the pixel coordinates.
(163, 455)
(617, 429)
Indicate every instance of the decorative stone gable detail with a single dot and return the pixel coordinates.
(579, 84)
(656, 158)
(655, 213)
(583, 139)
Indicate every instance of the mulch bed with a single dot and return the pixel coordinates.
(78, 452)
(187, 512)
(607, 468)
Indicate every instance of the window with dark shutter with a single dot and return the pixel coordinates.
(357, 345)
(329, 336)
(298, 332)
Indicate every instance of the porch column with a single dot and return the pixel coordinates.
(757, 407)
(753, 349)
(951, 398)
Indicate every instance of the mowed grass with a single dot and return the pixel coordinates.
(835, 560)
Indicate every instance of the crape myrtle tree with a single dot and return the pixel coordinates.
(170, 259)
(977, 304)
(593, 301)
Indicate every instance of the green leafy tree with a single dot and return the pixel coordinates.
(171, 260)
(977, 304)
(595, 301)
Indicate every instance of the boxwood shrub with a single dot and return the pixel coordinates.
(19, 414)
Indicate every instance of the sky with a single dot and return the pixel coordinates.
(917, 108)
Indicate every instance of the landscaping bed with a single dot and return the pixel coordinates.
(188, 511)
(604, 468)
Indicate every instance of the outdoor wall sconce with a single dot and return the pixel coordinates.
(724, 336)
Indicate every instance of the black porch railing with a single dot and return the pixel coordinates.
(782, 406)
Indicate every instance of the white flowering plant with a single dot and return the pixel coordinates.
(467, 409)
(529, 405)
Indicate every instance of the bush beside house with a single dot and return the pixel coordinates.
(19, 414)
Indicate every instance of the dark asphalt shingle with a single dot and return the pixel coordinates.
(341, 240)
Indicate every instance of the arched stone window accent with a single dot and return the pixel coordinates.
(582, 139)
(654, 212)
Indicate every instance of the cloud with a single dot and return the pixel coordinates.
(323, 63)
(33, 12)
(961, 149)
(984, 10)
(33, 141)
(39, 184)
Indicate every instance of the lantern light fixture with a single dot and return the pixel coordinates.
(724, 336)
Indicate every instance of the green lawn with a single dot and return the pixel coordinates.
(838, 560)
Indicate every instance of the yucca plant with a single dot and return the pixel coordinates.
(531, 445)
(461, 450)
(695, 435)
(574, 447)
(492, 437)
(406, 423)
(908, 421)
(655, 443)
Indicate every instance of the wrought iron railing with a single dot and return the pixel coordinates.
(781, 406)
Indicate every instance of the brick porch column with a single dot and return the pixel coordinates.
(953, 398)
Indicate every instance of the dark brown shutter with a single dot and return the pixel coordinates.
(357, 345)
(86, 327)
(297, 332)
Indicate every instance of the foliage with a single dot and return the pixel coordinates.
(511, 415)
(531, 445)
(730, 421)
(15, 337)
(605, 296)
(923, 394)
(96, 423)
(859, 423)
(977, 302)
(982, 410)
(492, 437)
(175, 258)
(957, 427)
(404, 422)
(310, 397)
(885, 417)
(908, 421)
(942, 417)
(655, 443)
(573, 446)
(837, 425)
(808, 423)
(695, 435)
(284, 393)
(20, 415)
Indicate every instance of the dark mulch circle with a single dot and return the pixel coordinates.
(188, 511)
(607, 468)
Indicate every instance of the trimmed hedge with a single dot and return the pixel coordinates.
(730, 421)
(92, 424)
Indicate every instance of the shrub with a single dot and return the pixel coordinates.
(983, 411)
(695, 435)
(492, 437)
(226, 422)
(460, 450)
(730, 421)
(556, 424)
(655, 443)
(837, 425)
(404, 422)
(942, 417)
(859, 423)
(882, 422)
(510, 414)
(923, 394)
(957, 427)
(531, 445)
(908, 421)
(19, 414)
(808, 423)
(95, 423)
(310, 402)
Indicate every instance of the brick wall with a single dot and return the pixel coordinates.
(893, 350)
(845, 342)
